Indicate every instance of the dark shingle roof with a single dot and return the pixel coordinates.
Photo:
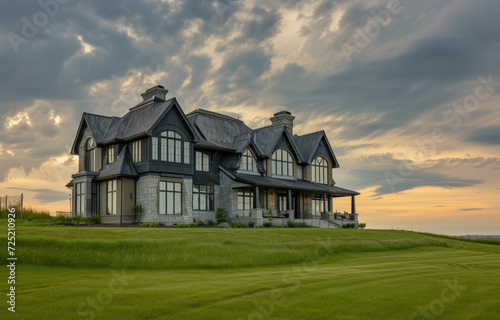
(268, 182)
(308, 143)
(217, 128)
(123, 166)
(97, 125)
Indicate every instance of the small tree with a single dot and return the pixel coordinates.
(138, 213)
(361, 225)
(221, 215)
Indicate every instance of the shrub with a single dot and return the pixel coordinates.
(95, 218)
(280, 226)
(235, 225)
(192, 224)
(223, 225)
(243, 225)
(86, 221)
(268, 224)
(145, 224)
(251, 224)
(201, 223)
(221, 215)
(293, 224)
(161, 224)
(361, 225)
(78, 218)
(211, 223)
(260, 226)
(182, 225)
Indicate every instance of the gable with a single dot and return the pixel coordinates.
(323, 149)
(284, 142)
(174, 119)
(83, 133)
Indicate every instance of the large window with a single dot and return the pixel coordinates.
(170, 198)
(203, 197)
(80, 197)
(248, 161)
(136, 151)
(318, 204)
(320, 170)
(111, 154)
(202, 161)
(169, 147)
(245, 199)
(282, 163)
(111, 199)
(90, 154)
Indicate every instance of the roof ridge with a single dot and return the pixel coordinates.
(212, 114)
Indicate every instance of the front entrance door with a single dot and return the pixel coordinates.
(281, 201)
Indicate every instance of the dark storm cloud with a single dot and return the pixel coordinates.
(383, 172)
(488, 136)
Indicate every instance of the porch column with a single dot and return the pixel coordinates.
(324, 202)
(330, 203)
(289, 199)
(257, 198)
(353, 205)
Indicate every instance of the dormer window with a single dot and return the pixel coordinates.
(320, 170)
(282, 163)
(111, 154)
(168, 146)
(202, 161)
(248, 162)
(90, 155)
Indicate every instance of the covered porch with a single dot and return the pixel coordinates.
(260, 198)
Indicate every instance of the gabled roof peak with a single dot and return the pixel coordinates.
(212, 114)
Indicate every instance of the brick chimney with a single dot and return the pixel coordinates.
(156, 91)
(284, 118)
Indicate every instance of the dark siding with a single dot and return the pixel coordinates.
(322, 151)
(211, 177)
(285, 144)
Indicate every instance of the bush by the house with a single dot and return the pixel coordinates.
(221, 215)
(260, 226)
(223, 225)
(149, 225)
(361, 225)
(192, 224)
(182, 225)
(281, 226)
(267, 224)
(95, 218)
(211, 223)
(251, 224)
(86, 221)
(294, 224)
(239, 225)
(78, 218)
(201, 223)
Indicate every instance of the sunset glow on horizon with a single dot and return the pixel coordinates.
(407, 94)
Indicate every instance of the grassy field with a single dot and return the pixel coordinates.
(280, 273)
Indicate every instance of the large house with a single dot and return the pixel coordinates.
(180, 168)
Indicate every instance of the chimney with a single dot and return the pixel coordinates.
(156, 91)
(284, 118)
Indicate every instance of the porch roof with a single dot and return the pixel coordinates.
(300, 185)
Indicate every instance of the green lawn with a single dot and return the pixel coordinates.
(281, 273)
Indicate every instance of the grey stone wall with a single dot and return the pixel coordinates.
(147, 197)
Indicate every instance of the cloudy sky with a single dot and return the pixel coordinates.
(408, 92)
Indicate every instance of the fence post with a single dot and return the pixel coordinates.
(21, 205)
(6, 204)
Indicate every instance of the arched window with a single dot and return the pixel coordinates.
(90, 155)
(248, 161)
(168, 146)
(282, 163)
(320, 170)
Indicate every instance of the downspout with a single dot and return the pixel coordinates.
(121, 201)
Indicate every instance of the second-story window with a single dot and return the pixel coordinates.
(136, 151)
(90, 155)
(202, 161)
(111, 154)
(282, 163)
(168, 146)
(248, 161)
(320, 170)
